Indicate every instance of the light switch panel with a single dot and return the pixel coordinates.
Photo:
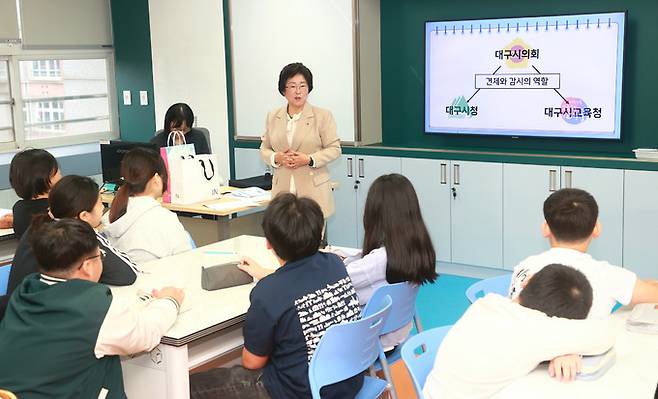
(143, 97)
(127, 98)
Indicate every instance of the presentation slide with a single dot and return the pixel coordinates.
(558, 76)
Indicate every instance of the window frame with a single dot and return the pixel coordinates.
(15, 55)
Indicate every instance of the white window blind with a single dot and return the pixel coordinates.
(65, 23)
(8, 22)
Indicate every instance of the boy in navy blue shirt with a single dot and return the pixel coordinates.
(291, 308)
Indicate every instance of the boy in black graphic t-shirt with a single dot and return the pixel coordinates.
(290, 310)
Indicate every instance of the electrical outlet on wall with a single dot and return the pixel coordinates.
(127, 100)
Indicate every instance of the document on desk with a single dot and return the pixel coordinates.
(643, 319)
(253, 194)
(228, 206)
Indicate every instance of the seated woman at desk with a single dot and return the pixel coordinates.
(180, 118)
(138, 224)
(73, 197)
(31, 174)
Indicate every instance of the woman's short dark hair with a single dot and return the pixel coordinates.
(138, 166)
(73, 195)
(293, 226)
(558, 291)
(60, 245)
(30, 172)
(392, 219)
(571, 214)
(291, 70)
(178, 113)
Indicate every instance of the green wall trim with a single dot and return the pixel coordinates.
(534, 158)
(403, 73)
(134, 68)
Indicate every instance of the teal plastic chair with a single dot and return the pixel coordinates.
(403, 311)
(346, 350)
(4, 278)
(497, 285)
(419, 353)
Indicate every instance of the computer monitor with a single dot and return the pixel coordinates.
(111, 155)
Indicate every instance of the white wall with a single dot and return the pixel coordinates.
(187, 47)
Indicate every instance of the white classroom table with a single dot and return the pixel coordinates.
(633, 376)
(210, 328)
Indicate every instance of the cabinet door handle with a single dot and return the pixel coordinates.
(444, 173)
(350, 167)
(552, 180)
(568, 177)
(455, 174)
(361, 168)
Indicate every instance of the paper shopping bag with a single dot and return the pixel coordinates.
(172, 151)
(194, 178)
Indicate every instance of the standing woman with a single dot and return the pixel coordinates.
(180, 118)
(300, 140)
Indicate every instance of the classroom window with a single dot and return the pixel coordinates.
(65, 98)
(6, 121)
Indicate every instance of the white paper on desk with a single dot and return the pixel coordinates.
(644, 313)
(254, 194)
(227, 206)
(4, 212)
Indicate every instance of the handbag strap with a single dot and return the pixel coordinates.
(171, 138)
(212, 169)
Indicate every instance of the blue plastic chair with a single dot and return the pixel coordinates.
(4, 278)
(419, 353)
(402, 313)
(497, 285)
(346, 350)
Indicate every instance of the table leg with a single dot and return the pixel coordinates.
(223, 228)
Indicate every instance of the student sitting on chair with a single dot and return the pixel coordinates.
(138, 224)
(396, 244)
(290, 310)
(63, 332)
(180, 118)
(75, 197)
(499, 339)
(31, 174)
(571, 225)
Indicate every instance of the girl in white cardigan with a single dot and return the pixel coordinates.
(396, 244)
(139, 225)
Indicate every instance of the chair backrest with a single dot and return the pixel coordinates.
(403, 310)
(206, 134)
(346, 350)
(498, 285)
(4, 278)
(419, 352)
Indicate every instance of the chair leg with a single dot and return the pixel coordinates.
(387, 373)
(419, 326)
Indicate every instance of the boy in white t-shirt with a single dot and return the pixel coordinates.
(499, 339)
(571, 224)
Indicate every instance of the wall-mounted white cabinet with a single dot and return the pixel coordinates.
(490, 214)
(525, 187)
(640, 222)
(431, 180)
(477, 213)
(607, 187)
(354, 175)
